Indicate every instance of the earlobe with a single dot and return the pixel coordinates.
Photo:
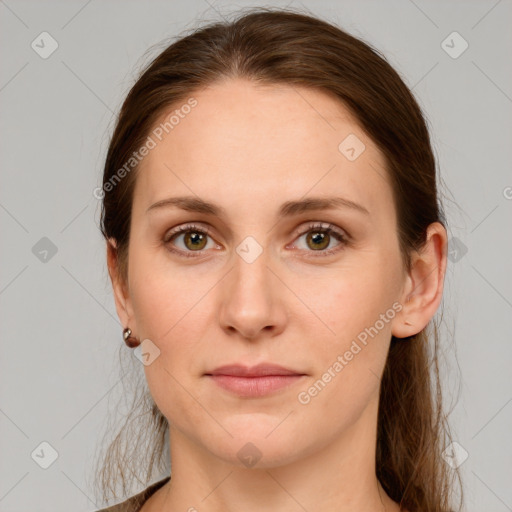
(424, 288)
(403, 325)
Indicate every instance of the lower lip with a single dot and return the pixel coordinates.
(254, 386)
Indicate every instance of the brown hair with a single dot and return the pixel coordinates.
(276, 46)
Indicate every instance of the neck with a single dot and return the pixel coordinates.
(338, 477)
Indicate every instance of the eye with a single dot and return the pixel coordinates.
(319, 237)
(194, 239)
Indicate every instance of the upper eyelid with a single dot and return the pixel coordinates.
(300, 231)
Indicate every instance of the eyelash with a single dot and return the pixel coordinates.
(316, 227)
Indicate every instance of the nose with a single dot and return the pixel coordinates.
(252, 299)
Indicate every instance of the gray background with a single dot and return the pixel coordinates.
(60, 333)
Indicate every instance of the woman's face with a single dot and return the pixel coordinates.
(265, 284)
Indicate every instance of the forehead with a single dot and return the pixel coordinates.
(243, 143)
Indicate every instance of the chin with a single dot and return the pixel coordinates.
(262, 444)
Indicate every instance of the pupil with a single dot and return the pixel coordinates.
(196, 238)
(319, 239)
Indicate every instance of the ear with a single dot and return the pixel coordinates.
(120, 288)
(423, 289)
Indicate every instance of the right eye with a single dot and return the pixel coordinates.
(194, 239)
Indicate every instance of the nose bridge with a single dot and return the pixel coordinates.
(249, 304)
(251, 273)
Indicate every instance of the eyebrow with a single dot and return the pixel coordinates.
(287, 209)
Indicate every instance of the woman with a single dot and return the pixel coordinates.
(277, 250)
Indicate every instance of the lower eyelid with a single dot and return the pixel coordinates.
(340, 237)
(327, 228)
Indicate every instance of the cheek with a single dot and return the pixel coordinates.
(171, 310)
(344, 305)
(175, 323)
(161, 293)
(347, 373)
(354, 314)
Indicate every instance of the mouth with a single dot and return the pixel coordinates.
(256, 381)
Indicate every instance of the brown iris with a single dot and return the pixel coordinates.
(196, 239)
(318, 237)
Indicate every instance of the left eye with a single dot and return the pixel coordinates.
(319, 237)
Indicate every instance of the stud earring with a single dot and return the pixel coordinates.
(129, 339)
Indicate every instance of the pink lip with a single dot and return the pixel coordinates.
(254, 381)
(260, 370)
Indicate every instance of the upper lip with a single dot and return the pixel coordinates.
(259, 370)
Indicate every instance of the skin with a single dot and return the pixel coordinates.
(291, 306)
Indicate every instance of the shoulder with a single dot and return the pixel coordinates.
(134, 503)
